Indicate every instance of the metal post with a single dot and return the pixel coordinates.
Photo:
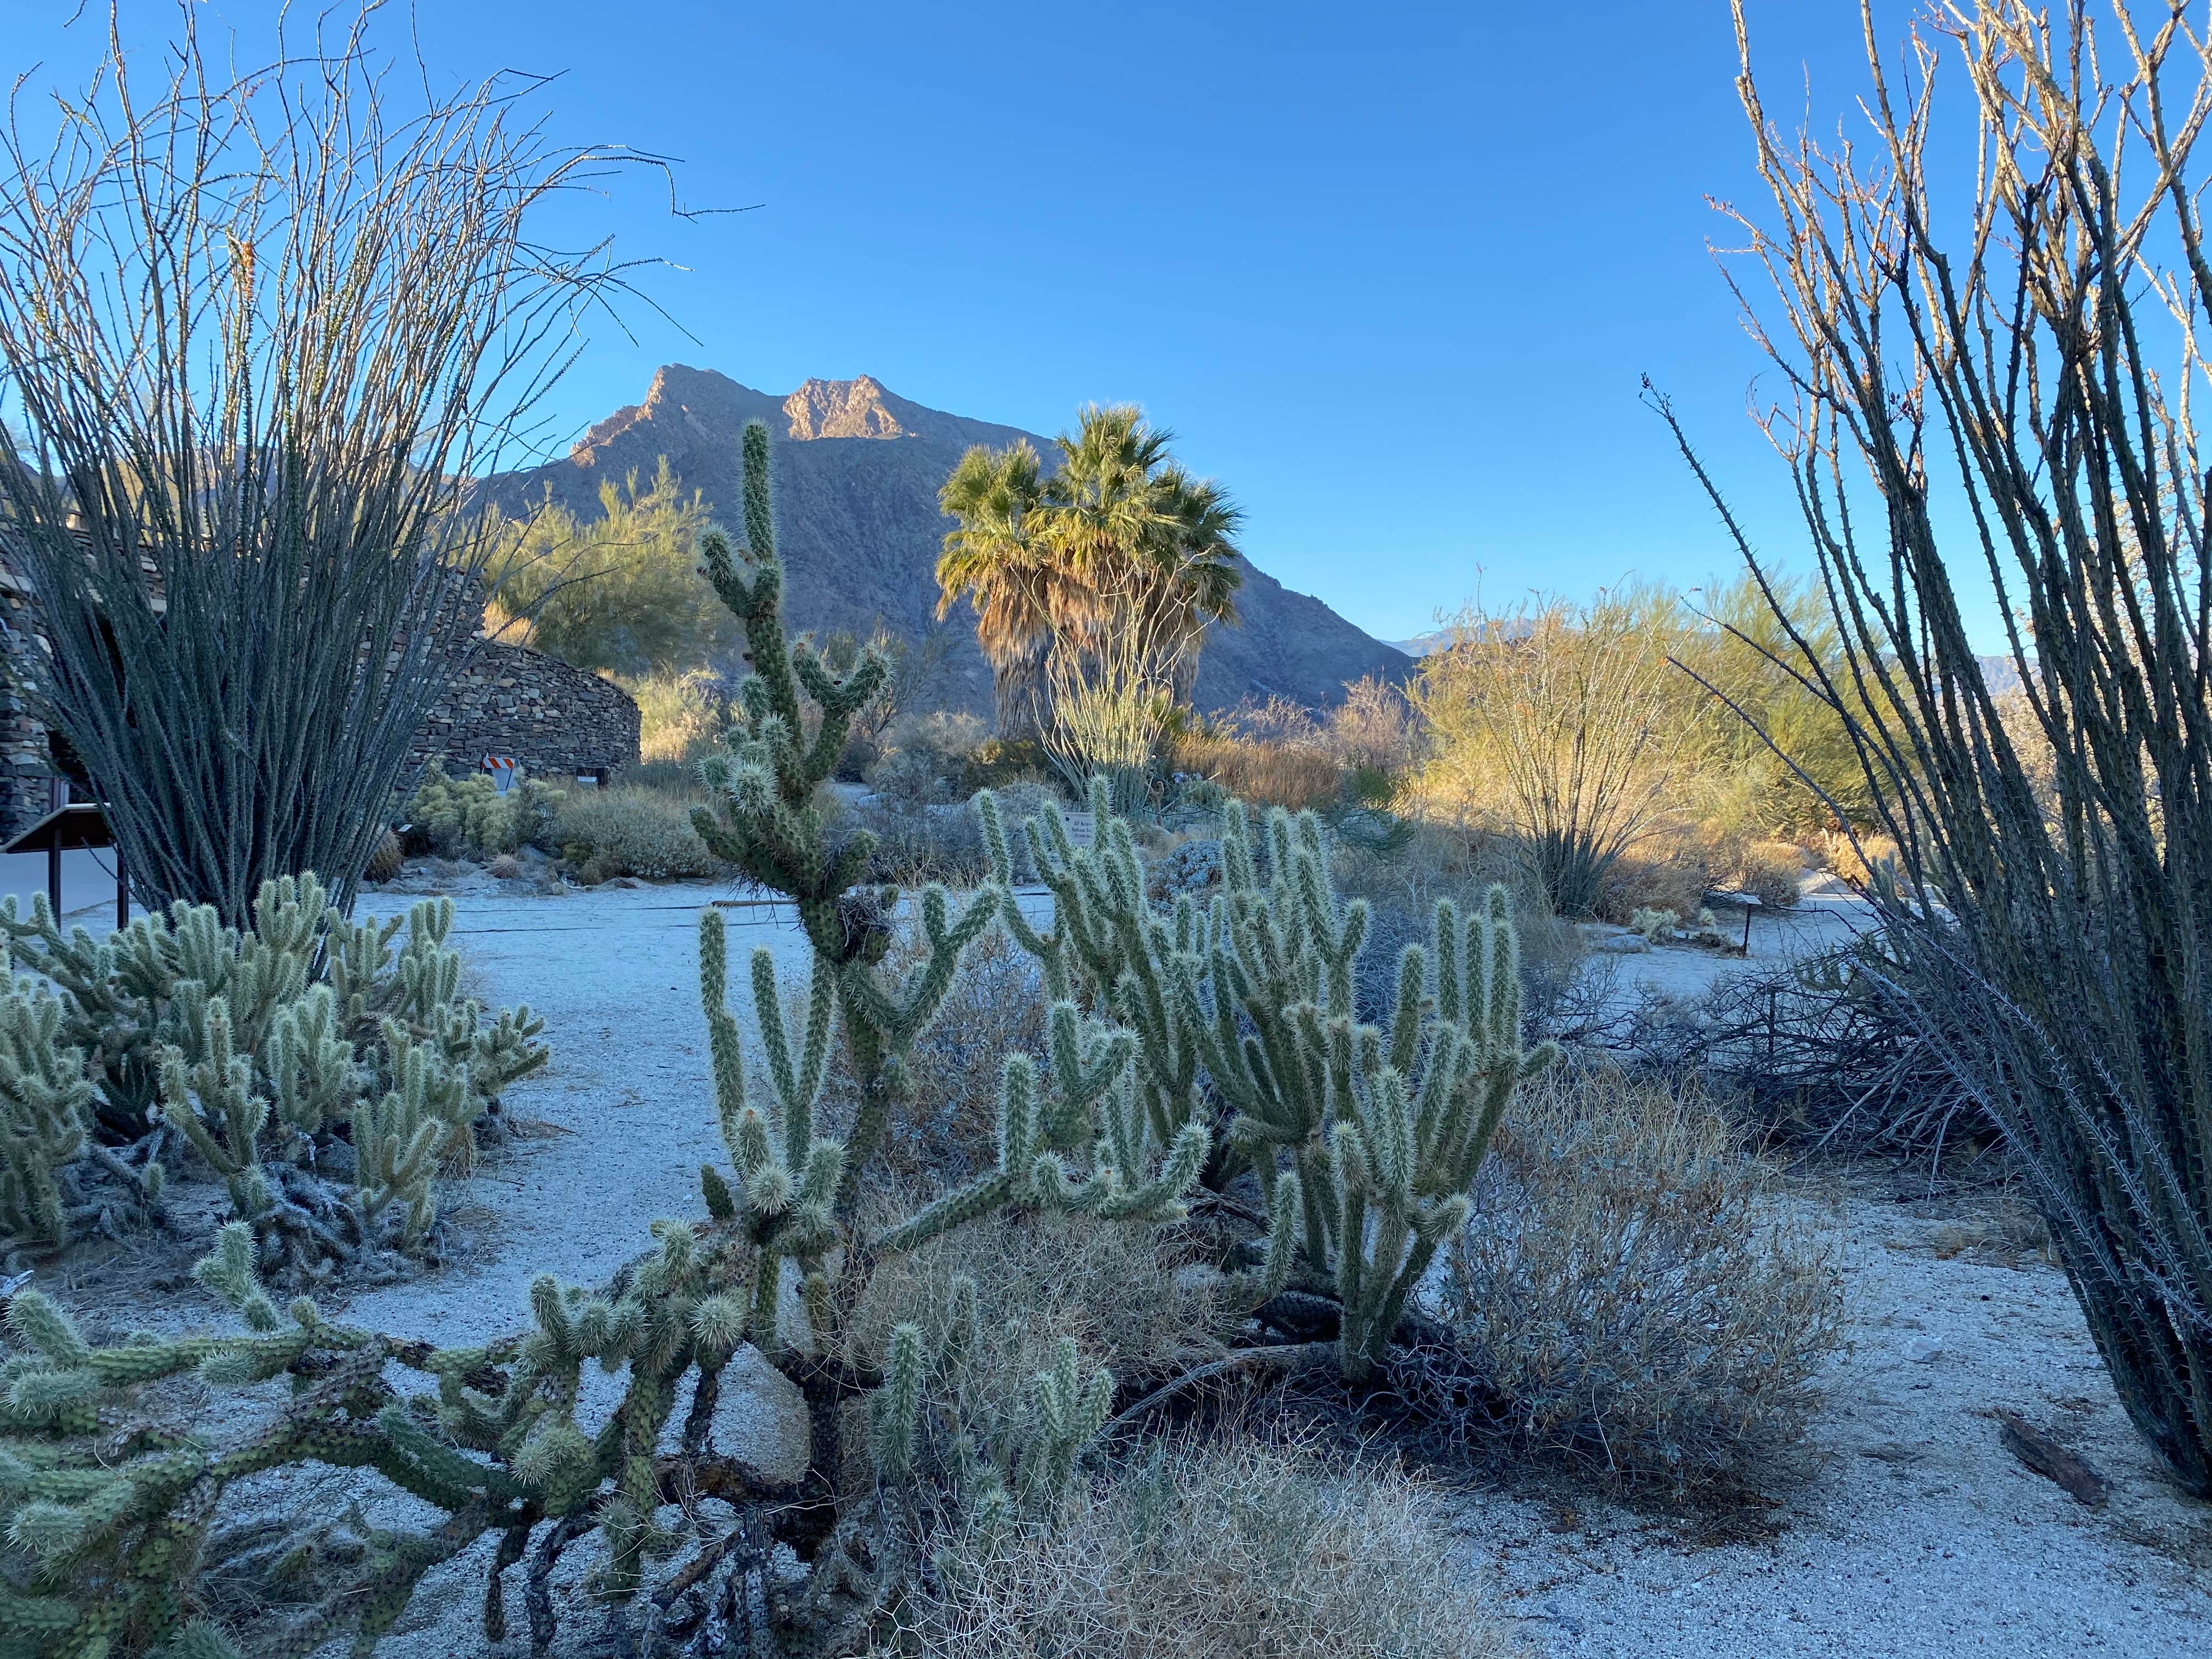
(122, 893)
(54, 874)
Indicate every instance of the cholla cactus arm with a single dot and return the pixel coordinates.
(400, 1139)
(1067, 1412)
(360, 954)
(895, 1408)
(45, 1103)
(1285, 1210)
(1011, 1182)
(312, 1069)
(214, 1104)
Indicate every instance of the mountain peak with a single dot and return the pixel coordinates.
(858, 408)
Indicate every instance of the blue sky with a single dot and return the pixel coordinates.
(1392, 271)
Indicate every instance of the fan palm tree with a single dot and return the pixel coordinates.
(1121, 536)
(1134, 531)
(993, 560)
(1197, 557)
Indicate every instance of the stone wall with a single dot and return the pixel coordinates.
(557, 720)
(26, 790)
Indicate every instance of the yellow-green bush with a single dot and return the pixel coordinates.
(629, 831)
(679, 714)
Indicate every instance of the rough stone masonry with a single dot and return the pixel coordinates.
(553, 719)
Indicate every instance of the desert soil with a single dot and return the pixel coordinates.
(1913, 1532)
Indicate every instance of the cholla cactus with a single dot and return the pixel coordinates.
(1108, 951)
(927, 1395)
(45, 1110)
(256, 1049)
(468, 815)
(1366, 1140)
(117, 1519)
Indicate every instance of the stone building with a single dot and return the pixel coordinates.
(551, 719)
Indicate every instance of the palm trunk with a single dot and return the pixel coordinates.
(1019, 687)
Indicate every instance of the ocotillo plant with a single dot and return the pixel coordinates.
(1364, 1140)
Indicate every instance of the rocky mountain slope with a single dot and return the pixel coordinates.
(857, 472)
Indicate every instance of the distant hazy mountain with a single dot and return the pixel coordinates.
(857, 472)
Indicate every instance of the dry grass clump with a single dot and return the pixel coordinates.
(1240, 1551)
(947, 1129)
(1134, 1303)
(1772, 872)
(1664, 873)
(1632, 1293)
(1260, 772)
(630, 831)
(1856, 858)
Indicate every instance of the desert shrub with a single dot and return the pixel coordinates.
(1568, 724)
(948, 1126)
(1773, 872)
(1631, 1294)
(1291, 775)
(630, 831)
(1742, 786)
(1855, 858)
(907, 778)
(921, 842)
(1669, 873)
(467, 816)
(1374, 728)
(950, 735)
(922, 757)
(1245, 1550)
(996, 763)
(918, 843)
(620, 592)
(679, 715)
(680, 778)
(1128, 1297)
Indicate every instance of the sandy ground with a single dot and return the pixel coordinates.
(1825, 918)
(1916, 1533)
